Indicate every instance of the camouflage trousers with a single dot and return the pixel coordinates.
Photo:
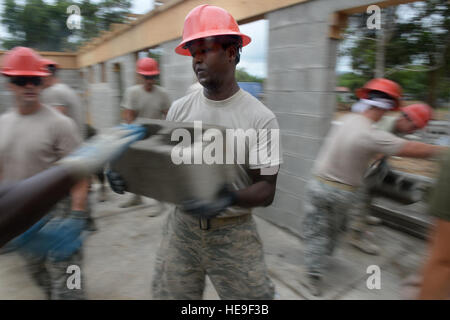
(50, 275)
(231, 255)
(329, 210)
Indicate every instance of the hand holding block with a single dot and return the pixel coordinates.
(152, 167)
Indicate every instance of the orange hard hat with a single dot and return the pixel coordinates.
(208, 21)
(22, 61)
(147, 67)
(49, 62)
(418, 113)
(384, 85)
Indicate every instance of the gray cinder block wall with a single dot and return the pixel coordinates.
(104, 97)
(176, 70)
(300, 91)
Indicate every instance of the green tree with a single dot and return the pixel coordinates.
(244, 76)
(42, 25)
(416, 52)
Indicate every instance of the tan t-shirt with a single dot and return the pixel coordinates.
(153, 104)
(31, 143)
(387, 123)
(61, 94)
(240, 111)
(350, 146)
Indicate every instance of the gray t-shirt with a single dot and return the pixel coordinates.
(240, 111)
(349, 147)
(61, 94)
(31, 143)
(153, 104)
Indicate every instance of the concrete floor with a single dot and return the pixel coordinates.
(119, 260)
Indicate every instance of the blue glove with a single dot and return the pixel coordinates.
(116, 182)
(102, 148)
(209, 209)
(59, 239)
(28, 235)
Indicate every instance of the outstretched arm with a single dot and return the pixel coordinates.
(24, 203)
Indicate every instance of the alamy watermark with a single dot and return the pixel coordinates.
(374, 280)
(374, 20)
(255, 147)
(74, 280)
(74, 20)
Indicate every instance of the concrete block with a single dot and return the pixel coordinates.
(304, 146)
(298, 34)
(103, 106)
(149, 170)
(297, 166)
(288, 202)
(307, 12)
(305, 125)
(302, 103)
(310, 56)
(289, 80)
(291, 184)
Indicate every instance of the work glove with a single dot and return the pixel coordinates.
(102, 148)
(58, 239)
(116, 182)
(209, 209)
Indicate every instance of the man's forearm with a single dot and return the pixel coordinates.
(436, 280)
(24, 203)
(416, 149)
(130, 115)
(260, 194)
(79, 194)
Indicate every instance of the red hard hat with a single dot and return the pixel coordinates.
(22, 61)
(49, 62)
(419, 114)
(381, 84)
(208, 21)
(147, 67)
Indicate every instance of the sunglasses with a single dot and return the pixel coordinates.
(150, 77)
(23, 81)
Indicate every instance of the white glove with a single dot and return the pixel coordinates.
(102, 148)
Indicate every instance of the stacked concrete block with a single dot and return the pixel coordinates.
(300, 91)
(72, 78)
(6, 96)
(177, 74)
(103, 107)
(127, 70)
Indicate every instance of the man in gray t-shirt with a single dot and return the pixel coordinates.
(145, 100)
(339, 170)
(62, 97)
(33, 137)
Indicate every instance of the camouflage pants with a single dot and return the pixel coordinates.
(231, 255)
(50, 275)
(328, 211)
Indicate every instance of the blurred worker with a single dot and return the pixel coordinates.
(33, 137)
(436, 275)
(23, 203)
(410, 119)
(339, 171)
(146, 100)
(218, 238)
(64, 99)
